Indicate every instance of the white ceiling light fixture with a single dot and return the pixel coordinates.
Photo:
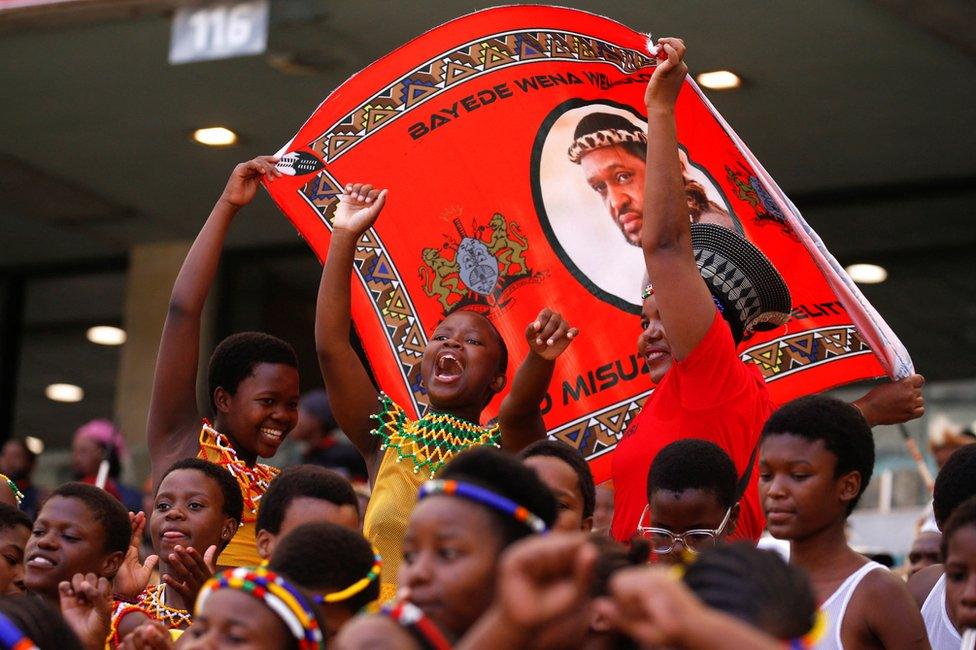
(215, 136)
(719, 80)
(64, 393)
(867, 273)
(34, 445)
(106, 335)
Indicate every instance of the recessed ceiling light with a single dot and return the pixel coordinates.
(719, 79)
(106, 335)
(34, 445)
(215, 136)
(867, 273)
(64, 393)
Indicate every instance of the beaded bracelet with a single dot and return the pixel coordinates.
(411, 617)
(485, 497)
(357, 586)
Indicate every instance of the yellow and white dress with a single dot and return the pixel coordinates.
(414, 451)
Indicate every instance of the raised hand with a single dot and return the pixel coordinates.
(133, 576)
(86, 604)
(189, 570)
(549, 334)
(893, 402)
(244, 180)
(665, 84)
(359, 205)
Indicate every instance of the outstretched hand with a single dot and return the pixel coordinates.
(189, 571)
(133, 576)
(549, 334)
(359, 206)
(893, 402)
(244, 180)
(665, 84)
(86, 604)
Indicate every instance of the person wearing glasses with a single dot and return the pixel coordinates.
(691, 496)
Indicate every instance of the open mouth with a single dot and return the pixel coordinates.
(655, 356)
(41, 562)
(275, 435)
(448, 368)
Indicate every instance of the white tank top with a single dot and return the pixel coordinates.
(942, 633)
(835, 607)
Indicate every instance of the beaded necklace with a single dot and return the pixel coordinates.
(152, 600)
(253, 481)
(431, 441)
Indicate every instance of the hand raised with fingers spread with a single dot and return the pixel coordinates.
(665, 84)
(86, 604)
(189, 571)
(549, 334)
(359, 206)
(244, 180)
(133, 576)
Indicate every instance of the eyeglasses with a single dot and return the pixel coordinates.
(663, 540)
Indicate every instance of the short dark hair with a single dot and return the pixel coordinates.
(235, 357)
(11, 517)
(341, 557)
(614, 556)
(955, 483)
(693, 464)
(962, 516)
(505, 475)
(594, 122)
(844, 432)
(105, 509)
(233, 500)
(756, 586)
(572, 457)
(310, 481)
(40, 622)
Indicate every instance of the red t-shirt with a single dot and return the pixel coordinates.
(711, 395)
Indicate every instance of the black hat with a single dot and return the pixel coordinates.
(750, 292)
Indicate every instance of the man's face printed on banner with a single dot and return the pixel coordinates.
(617, 175)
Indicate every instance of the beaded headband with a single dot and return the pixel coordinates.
(811, 638)
(408, 615)
(282, 597)
(12, 637)
(602, 138)
(18, 495)
(357, 586)
(485, 497)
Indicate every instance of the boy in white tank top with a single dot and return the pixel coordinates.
(815, 460)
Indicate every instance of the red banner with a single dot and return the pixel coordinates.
(469, 126)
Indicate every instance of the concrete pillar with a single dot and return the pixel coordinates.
(152, 271)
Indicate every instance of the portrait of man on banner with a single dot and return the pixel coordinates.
(590, 195)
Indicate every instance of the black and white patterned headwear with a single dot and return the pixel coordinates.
(603, 130)
(752, 294)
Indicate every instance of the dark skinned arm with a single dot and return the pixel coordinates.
(351, 393)
(520, 414)
(893, 402)
(174, 418)
(683, 299)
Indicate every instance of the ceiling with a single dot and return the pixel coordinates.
(863, 111)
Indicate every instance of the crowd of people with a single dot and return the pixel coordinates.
(475, 535)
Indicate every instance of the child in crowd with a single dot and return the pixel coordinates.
(462, 369)
(816, 459)
(954, 485)
(757, 587)
(197, 507)
(15, 530)
(483, 501)
(692, 500)
(303, 494)
(959, 549)
(564, 470)
(342, 573)
(80, 529)
(252, 383)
